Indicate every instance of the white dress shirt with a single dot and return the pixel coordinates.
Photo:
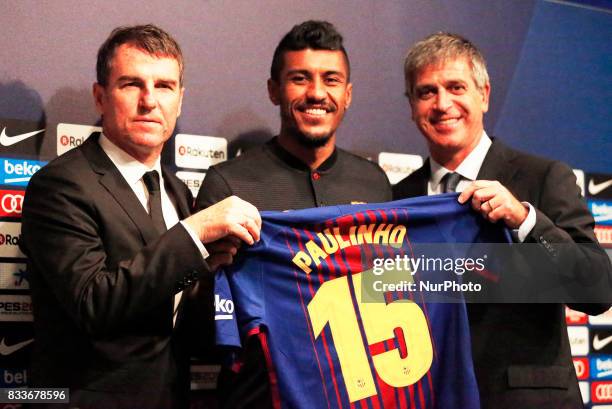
(132, 171)
(468, 169)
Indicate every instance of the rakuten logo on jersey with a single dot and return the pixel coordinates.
(579, 340)
(584, 391)
(70, 136)
(398, 165)
(581, 365)
(223, 308)
(17, 172)
(15, 308)
(11, 202)
(13, 276)
(10, 234)
(198, 151)
(193, 180)
(575, 317)
(601, 392)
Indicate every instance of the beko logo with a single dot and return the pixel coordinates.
(70, 136)
(223, 308)
(601, 367)
(198, 151)
(18, 171)
(13, 377)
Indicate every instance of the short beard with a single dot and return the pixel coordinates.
(310, 141)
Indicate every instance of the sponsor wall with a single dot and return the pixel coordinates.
(47, 110)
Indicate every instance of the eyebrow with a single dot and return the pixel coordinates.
(130, 78)
(307, 72)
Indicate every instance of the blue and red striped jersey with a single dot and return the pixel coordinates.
(313, 291)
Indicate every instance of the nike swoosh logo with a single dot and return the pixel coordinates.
(10, 349)
(600, 343)
(595, 188)
(6, 140)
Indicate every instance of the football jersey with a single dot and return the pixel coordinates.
(332, 336)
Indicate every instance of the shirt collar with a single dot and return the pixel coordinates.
(468, 168)
(130, 168)
(294, 162)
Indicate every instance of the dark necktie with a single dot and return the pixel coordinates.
(450, 182)
(151, 181)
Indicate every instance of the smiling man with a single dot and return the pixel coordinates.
(521, 352)
(299, 168)
(113, 252)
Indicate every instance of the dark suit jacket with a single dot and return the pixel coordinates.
(521, 352)
(102, 282)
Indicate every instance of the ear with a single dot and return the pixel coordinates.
(99, 94)
(349, 95)
(486, 92)
(274, 91)
(180, 103)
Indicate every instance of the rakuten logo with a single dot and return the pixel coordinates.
(15, 308)
(575, 317)
(11, 202)
(10, 234)
(223, 308)
(198, 151)
(17, 172)
(601, 392)
(70, 136)
(193, 180)
(579, 340)
(398, 165)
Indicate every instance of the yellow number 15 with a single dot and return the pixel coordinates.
(333, 304)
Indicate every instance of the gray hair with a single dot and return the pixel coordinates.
(440, 47)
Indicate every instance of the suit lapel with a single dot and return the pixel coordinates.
(117, 187)
(496, 164)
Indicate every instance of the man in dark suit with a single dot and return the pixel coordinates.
(113, 251)
(521, 352)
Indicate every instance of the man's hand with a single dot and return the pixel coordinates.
(495, 202)
(230, 217)
(222, 252)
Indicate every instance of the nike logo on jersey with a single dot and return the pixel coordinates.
(6, 140)
(10, 349)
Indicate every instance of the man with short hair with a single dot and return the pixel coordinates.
(112, 249)
(521, 352)
(299, 168)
